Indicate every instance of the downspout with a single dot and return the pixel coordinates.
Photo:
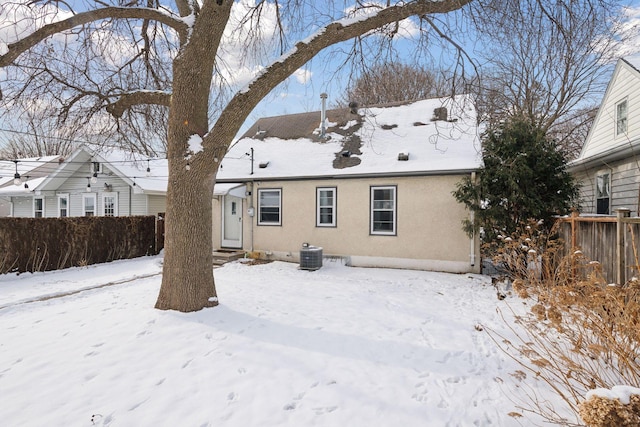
(472, 255)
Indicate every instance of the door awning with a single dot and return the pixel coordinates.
(236, 189)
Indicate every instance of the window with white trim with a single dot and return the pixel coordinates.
(603, 194)
(621, 117)
(110, 204)
(63, 205)
(326, 206)
(38, 207)
(383, 210)
(89, 204)
(269, 206)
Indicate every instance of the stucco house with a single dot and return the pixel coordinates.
(91, 183)
(372, 186)
(608, 167)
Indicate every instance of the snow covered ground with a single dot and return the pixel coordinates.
(339, 346)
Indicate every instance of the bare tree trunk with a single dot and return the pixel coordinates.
(187, 277)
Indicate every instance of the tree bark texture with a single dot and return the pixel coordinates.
(187, 279)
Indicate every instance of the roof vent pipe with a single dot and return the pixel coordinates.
(323, 114)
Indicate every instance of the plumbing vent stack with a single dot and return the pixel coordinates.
(323, 114)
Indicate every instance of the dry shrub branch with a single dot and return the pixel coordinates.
(581, 332)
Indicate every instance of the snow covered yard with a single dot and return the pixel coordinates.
(339, 346)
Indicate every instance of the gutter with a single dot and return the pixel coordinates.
(617, 153)
(351, 176)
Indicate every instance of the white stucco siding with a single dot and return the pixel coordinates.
(624, 86)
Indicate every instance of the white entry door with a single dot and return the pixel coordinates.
(232, 222)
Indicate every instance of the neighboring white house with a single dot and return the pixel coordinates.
(16, 172)
(370, 185)
(92, 183)
(608, 167)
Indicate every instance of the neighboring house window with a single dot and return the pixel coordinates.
(383, 210)
(110, 204)
(326, 207)
(603, 193)
(621, 117)
(89, 204)
(96, 167)
(38, 207)
(63, 205)
(269, 207)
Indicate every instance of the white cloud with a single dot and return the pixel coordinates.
(302, 76)
(17, 20)
(246, 45)
(628, 41)
(406, 28)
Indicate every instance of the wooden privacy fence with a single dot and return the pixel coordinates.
(613, 241)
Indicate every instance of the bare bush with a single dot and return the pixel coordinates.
(581, 332)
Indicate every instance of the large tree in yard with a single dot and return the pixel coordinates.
(145, 64)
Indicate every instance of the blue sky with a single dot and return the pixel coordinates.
(295, 97)
(301, 95)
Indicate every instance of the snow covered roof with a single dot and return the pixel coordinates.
(633, 60)
(129, 167)
(431, 136)
(133, 168)
(32, 167)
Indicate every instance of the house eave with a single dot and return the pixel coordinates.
(465, 171)
(604, 158)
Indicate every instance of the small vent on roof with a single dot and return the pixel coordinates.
(403, 156)
(263, 165)
(439, 113)
(261, 134)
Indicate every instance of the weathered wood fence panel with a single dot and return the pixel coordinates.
(613, 241)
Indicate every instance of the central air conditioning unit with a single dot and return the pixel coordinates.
(310, 257)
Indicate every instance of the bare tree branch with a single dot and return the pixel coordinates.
(242, 103)
(21, 46)
(127, 100)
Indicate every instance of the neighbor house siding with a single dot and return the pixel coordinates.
(157, 204)
(138, 204)
(624, 86)
(23, 206)
(625, 186)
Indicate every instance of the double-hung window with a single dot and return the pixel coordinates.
(383, 210)
(269, 206)
(89, 204)
(38, 207)
(603, 194)
(326, 207)
(63, 205)
(621, 118)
